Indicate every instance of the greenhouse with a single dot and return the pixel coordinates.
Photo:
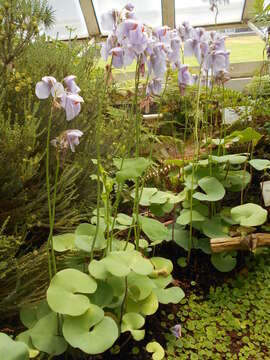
(135, 179)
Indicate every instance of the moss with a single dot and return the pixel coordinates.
(232, 323)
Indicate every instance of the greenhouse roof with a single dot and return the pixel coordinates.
(81, 18)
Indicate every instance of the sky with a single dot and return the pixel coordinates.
(68, 13)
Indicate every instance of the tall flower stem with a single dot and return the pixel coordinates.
(196, 155)
(100, 109)
(49, 189)
(51, 203)
(53, 212)
(137, 152)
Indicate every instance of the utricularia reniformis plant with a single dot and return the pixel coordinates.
(69, 99)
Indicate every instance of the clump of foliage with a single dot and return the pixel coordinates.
(259, 87)
(232, 323)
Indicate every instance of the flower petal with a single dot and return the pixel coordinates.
(57, 90)
(42, 90)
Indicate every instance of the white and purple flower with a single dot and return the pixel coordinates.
(72, 105)
(68, 139)
(49, 86)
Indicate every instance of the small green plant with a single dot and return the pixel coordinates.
(231, 323)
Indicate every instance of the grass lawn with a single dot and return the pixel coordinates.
(243, 49)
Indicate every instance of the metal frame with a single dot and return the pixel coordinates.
(168, 16)
(241, 70)
(90, 17)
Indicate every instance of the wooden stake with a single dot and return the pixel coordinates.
(244, 243)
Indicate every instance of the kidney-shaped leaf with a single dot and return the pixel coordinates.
(120, 264)
(154, 229)
(132, 168)
(225, 261)
(12, 350)
(249, 214)
(84, 236)
(140, 286)
(145, 195)
(30, 314)
(101, 336)
(162, 266)
(63, 242)
(171, 295)
(260, 164)
(214, 190)
(64, 294)
(45, 335)
(133, 322)
(187, 216)
(146, 306)
(157, 350)
(233, 159)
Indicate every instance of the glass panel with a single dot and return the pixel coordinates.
(68, 15)
(147, 11)
(197, 12)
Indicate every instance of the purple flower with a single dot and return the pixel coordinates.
(117, 57)
(109, 20)
(69, 138)
(163, 34)
(185, 30)
(177, 331)
(131, 32)
(108, 46)
(196, 43)
(217, 41)
(49, 85)
(154, 87)
(129, 55)
(217, 61)
(73, 138)
(174, 55)
(157, 61)
(71, 85)
(72, 105)
(184, 76)
(129, 7)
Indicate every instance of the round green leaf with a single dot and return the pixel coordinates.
(132, 168)
(233, 159)
(12, 350)
(102, 335)
(236, 180)
(124, 219)
(146, 194)
(84, 236)
(225, 261)
(25, 337)
(140, 286)
(103, 296)
(132, 321)
(147, 306)
(62, 294)
(181, 236)
(157, 350)
(162, 266)
(171, 295)
(45, 335)
(214, 190)
(186, 216)
(260, 164)
(213, 228)
(120, 263)
(154, 229)
(249, 214)
(63, 242)
(30, 314)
